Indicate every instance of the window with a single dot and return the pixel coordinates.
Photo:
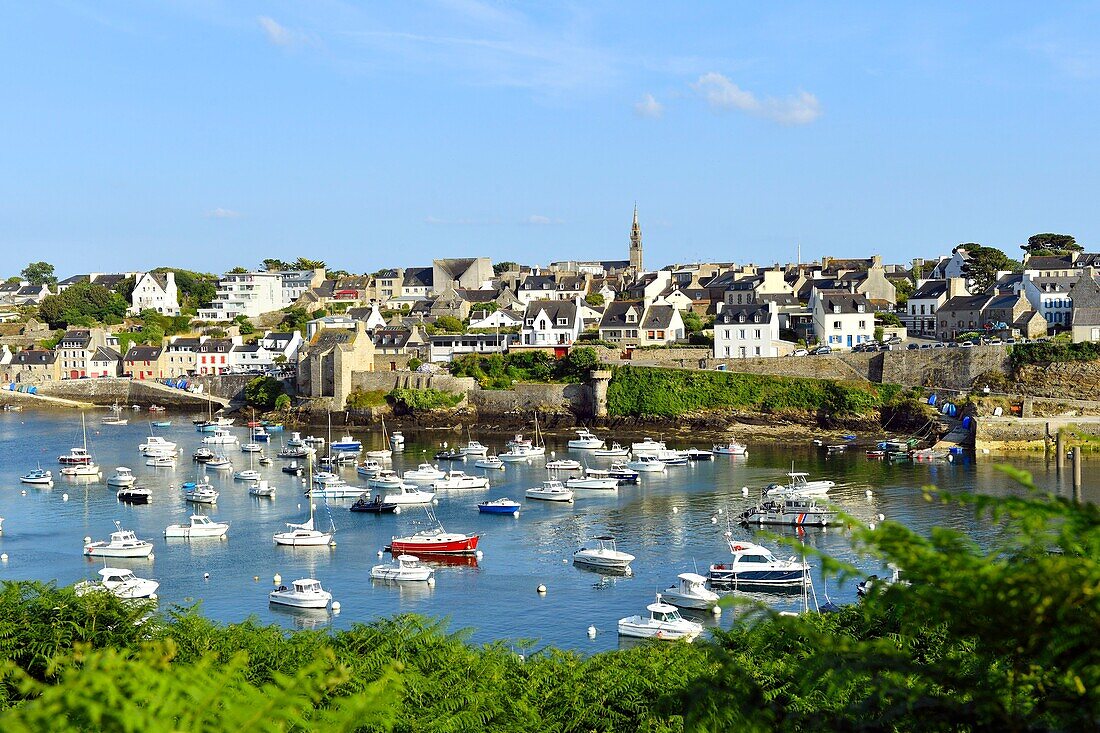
(758, 333)
(836, 325)
(758, 351)
(741, 333)
(563, 321)
(650, 335)
(863, 324)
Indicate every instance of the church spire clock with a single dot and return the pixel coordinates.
(636, 245)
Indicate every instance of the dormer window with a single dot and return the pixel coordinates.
(741, 318)
(860, 309)
(836, 309)
(563, 321)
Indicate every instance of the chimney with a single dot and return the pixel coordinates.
(876, 260)
(956, 286)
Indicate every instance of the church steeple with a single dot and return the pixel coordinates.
(636, 245)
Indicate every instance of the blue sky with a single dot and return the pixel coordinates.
(209, 134)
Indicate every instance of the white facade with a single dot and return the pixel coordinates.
(1050, 296)
(742, 332)
(446, 347)
(498, 319)
(247, 294)
(843, 320)
(550, 323)
(155, 292)
(282, 343)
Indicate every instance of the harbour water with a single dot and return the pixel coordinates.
(671, 522)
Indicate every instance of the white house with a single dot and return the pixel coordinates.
(557, 286)
(1051, 297)
(22, 292)
(551, 323)
(247, 294)
(500, 318)
(337, 321)
(297, 282)
(843, 319)
(748, 330)
(445, 347)
(950, 267)
(920, 310)
(155, 291)
(282, 343)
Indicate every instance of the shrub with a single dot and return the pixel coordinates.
(282, 402)
(361, 399)
(1049, 352)
(262, 392)
(424, 399)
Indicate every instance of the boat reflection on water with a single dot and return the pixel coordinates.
(607, 572)
(303, 618)
(469, 561)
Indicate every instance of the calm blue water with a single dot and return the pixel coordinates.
(495, 597)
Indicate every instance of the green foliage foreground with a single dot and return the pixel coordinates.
(996, 638)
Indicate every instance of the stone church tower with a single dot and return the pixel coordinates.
(636, 246)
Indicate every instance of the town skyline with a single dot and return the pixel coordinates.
(234, 132)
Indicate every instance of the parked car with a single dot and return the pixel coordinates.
(966, 344)
(912, 347)
(822, 350)
(800, 352)
(1010, 341)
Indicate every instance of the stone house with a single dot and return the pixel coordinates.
(1009, 314)
(1085, 319)
(144, 362)
(326, 363)
(32, 365)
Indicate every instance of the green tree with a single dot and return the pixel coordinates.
(238, 270)
(692, 322)
(262, 392)
(282, 402)
(83, 304)
(596, 300)
(39, 273)
(306, 264)
(983, 264)
(888, 319)
(273, 264)
(903, 288)
(449, 324)
(506, 266)
(125, 288)
(1051, 244)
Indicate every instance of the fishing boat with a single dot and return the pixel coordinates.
(157, 444)
(293, 468)
(406, 569)
(491, 463)
(504, 505)
(330, 486)
(449, 454)
(260, 434)
(604, 555)
(646, 464)
(755, 565)
(295, 441)
(732, 448)
(376, 505)
(671, 457)
(799, 483)
(563, 464)
(302, 593)
(134, 495)
(586, 440)
(455, 480)
(519, 442)
(346, 444)
(550, 491)
(288, 452)
(122, 477)
(220, 463)
(409, 494)
(161, 461)
(220, 436)
(37, 476)
(199, 492)
(123, 543)
(791, 510)
(648, 447)
(264, 460)
(251, 448)
(664, 622)
(120, 582)
(202, 455)
(314, 441)
(516, 454)
(691, 591)
(434, 541)
(474, 448)
(369, 468)
(397, 440)
(698, 454)
(198, 525)
(425, 473)
(305, 534)
(261, 488)
(592, 482)
(386, 479)
(615, 451)
(618, 472)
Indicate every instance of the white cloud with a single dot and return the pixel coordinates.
(721, 93)
(649, 107)
(220, 213)
(540, 220)
(276, 33)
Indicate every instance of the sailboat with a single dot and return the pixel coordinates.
(115, 418)
(88, 467)
(305, 534)
(385, 452)
(248, 474)
(539, 446)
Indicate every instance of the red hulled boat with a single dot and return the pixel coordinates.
(435, 541)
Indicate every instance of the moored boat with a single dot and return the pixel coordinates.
(550, 491)
(646, 464)
(691, 591)
(435, 541)
(586, 440)
(123, 476)
(504, 505)
(37, 476)
(198, 525)
(122, 543)
(375, 505)
(732, 448)
(455, 480)
(755, 565)
(134, 495)
(406, 569)
(302, 593)
(604, 555)
(120, 582)
(664, 622)
(791, 510)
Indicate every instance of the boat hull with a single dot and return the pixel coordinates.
(498, 508)
(97, 549)
(466, 545)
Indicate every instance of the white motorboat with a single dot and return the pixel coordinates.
(123, 477)
(198, 526)
(698, 454)
(550, 491)
(460, 480)
(220, 463)
(798, 483)
(671, 457)
(37, 476)
(369, 468)
(646, 464)
(791, 510)
(491, 463)
(517, 454)
(649, 447)
(251, 448)
(664, 622)
(407, 568)
(120, 582)
(155, 443)
(261, 488)
(873, 581)
(396, 441)
(615, 451)
(220, 436)
(474, 448)
(563, 464)
(691, 592)
(604, 555)
(161, 461)
(425, 473)
(386, 479)
(134, 495)
(248, 474)
(593, 483)
(408, 494)
(519, 442)
(82, 469)
(586, 440)
(336, 488)
(314, 441)
(732, 448)
(327, 478)
(123, 543)
(754, 565)
(295, 440)
(303, 593)
(201, 492)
